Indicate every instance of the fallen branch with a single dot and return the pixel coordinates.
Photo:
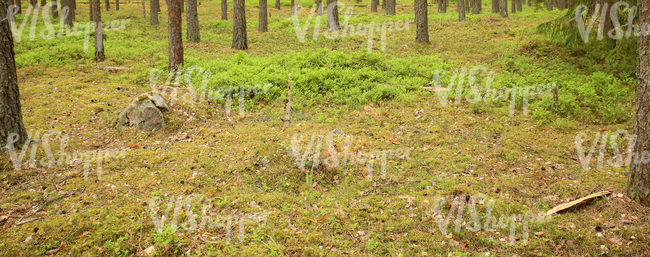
(568, 205)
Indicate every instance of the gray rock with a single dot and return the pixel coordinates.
(144, 113)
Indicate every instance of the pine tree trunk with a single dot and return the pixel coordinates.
(224, 10)
(319, 7)
(239, 37)
(293, 8)
(144, 10)
(373, 5)
(495, 6)
(513, 6)
(117, 5)
(33, 3)
(11, 116)
(639, 176)
(520, 5)
(461, 10)
(108, 5)
(503, 8)
(421, 22)
(43, 2)
(333, 14)
(467, 4)
(390, 7)
(153, 19)
(549, 5)
(264, 25)
(277, 4)
(68, 12)
(91, 7)
(99, 38)
(55, 9)
(193, 33)
(175, 35)
(611, 43)
(476, 7)
(383, 4)
(19, 6)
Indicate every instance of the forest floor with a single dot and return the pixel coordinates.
(241, 172)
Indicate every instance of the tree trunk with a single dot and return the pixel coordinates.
(513, 6)
(264, 24)
(520, 5)
(421, 22)
(495, 6)
(293, 8)
(117, 5)
(144, 10)
(476, 7)
(530, 2)
(549, 5)
(277, 4)
(224, 10)
(153, 19)
(639, 176)
(383, 4)
(319, 7)
(175, 35)
(461, 10)
(611, 43)
(503, 8)
(99, 38)
(33, 3)
(239, 37)
(19, 6)
(10, 112)
(91, 8)
(390, 7)
(373, 5)
(182, 6)
(55, 9)
(467, 6)
(193, 33)
(108, 5)
(333, 14)
(68, 12)
(43, 2)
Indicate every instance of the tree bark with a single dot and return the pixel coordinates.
(108, 5)
(33, 3)
(239, 37)
(461, 10)
(390, 7)
(333, 14)
(99, 38)
(495, 6)
(193, 33)
(503, 8)
(611, 43)
(68, 12)
(293, 8)
(475, 6)
(144, 10)
(117, 5)
(153, 19)
(10, 112)
(264, 24)
(373, 5)
(549, 5)
(175, 35)
(224, 10)
(639, 176)
(513, 6)
(520, 5)
(421, 22)
(91, 7)
(55, 9)
(43, 2)
(319, 7)
(19, 6)
(277, 4)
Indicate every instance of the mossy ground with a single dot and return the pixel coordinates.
(244, 166)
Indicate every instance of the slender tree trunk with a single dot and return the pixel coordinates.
(319, 7)
(117, 5)
(264, 27)
(513, 6)
(461, 10)
(390, 7)
(99, 38)
(19, 6)
(503, 8)
(373, 5)
(91, 7)
(153, 19)
(277, 4)
(333, 14)
(55, 9)
(182, 6)
(33, 3)
(476, 7)
(43, 2)
(383, 4)
(495, 6)
(520, 5)
(611, 43)
(68, 12)
(11, 115)
(467, 6)
(193, 33)
(108, 5)
(549, 5)
(639, 176)
(421, 22)
(175, 35)
(293, 8)
(224, 10)
(239, 37)
(144, 10)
